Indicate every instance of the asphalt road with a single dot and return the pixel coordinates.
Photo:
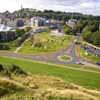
(53, 57)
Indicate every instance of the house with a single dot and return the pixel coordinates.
(71, 23)
(38, 21)
(6, 34)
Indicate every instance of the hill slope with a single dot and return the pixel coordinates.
(17, 84)
(22, 86)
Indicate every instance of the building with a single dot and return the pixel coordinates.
(71, 23)
(20, 23)
(11, 20)
(38, 21)
(6, 34)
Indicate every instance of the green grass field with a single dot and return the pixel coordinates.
(44, 43)
(79, 77)
(85, 67)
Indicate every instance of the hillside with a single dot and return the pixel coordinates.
(37, 81)
(19, 85)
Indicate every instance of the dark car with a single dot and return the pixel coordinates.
(98, 63)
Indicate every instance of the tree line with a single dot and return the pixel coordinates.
(89, 29)
(50, 14)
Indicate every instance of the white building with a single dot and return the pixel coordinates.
(71, 22)
(4, 28)
(38, 21)
(6, 34)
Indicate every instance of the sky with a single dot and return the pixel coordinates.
(81, 6)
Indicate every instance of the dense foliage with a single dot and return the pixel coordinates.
(50, 14)
(68, 30)
(91, 33)
(20, 32)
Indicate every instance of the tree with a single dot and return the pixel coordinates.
(67, 30)
(96, 38)
(78, 28)
(87, 36)
(20, 32)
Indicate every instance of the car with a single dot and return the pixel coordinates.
(79, 63)
(98, 63)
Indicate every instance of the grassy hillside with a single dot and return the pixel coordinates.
(16, 84)
(83, 78)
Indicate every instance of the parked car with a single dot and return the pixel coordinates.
(79, 63)
(98, 63)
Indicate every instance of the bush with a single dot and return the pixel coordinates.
(11, 69)
(3, 91)
(16, 70)
(20, 32)
(1, 68)
(67, 30)
(4, 47)
(91, 37)
(87, 36)
(27, 29)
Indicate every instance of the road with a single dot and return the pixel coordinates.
(52, 57)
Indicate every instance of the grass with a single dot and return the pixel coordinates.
(85, 67)
(48, 88)
(90, 57)
(64, 58)
(44, 43)
(83, 78)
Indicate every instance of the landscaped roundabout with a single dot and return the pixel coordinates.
(64, 58)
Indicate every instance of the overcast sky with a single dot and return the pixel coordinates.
(82, 6)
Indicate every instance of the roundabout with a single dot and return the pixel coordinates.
(64, 58)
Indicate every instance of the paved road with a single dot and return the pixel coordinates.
(53, 57)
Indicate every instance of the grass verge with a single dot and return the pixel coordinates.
(83, 78)
(89, 57)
